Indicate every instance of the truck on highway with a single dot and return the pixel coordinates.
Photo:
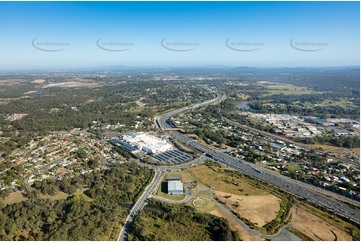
(258, 170)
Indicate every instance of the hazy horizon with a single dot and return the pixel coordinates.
(178, 34)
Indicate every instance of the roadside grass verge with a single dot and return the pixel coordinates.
(225, 180)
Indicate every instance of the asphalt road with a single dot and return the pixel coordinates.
(138, 206)
(242, 224)
(326, 199)
(150, 189)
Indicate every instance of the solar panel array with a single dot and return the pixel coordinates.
(173, 156)
(125, 145)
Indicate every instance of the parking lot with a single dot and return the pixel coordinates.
(173, 156)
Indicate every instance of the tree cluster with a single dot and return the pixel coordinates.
(179, 223)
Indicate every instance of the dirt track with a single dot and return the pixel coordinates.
(316, 228)
(236, 227)
(258, 209)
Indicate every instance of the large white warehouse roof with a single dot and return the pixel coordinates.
(148, 143)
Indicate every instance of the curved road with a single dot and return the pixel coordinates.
(227, 211)
(150, 189)
(310, 193)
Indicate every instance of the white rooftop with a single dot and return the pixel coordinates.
(175, 186)
(148, 143)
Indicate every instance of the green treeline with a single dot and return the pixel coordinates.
(94, 215)
(179, 223)
(339, 141)
(73, 219)
(281, 218)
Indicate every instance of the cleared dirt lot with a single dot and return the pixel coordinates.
(38, 81)
(236, 227)
(258, 209)
(16, 116)
(315, 227)
(73, 84)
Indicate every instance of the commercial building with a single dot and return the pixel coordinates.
(175, 186)
(146, 142)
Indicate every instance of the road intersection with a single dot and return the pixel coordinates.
(323, 198)
(326, 199)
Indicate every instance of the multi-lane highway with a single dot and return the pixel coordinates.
(332, 202)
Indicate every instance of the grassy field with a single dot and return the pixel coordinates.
(254, 201)
(288, 90)
(17, 197)
(314, 223)
(61, 195)
(186, 177)
(344, 103)
(57, 196)
(14, 197)
(337, 150)
(292, 167)
(356, 150)
(203, 203)
(162, 193)
(163, 188)
(221, 178)
(242, 96)
(254, 205)
(326, 147)
(4, 139)
(218, 179)
(316, 228)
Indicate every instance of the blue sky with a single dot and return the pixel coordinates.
(323, 34)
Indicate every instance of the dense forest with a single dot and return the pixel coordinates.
(95, 215)
(165, 222)
(76, 218)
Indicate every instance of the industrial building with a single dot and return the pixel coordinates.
(146, 142)
(175, 186)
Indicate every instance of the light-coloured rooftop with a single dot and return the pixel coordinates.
(175, 186)
(148, 143)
